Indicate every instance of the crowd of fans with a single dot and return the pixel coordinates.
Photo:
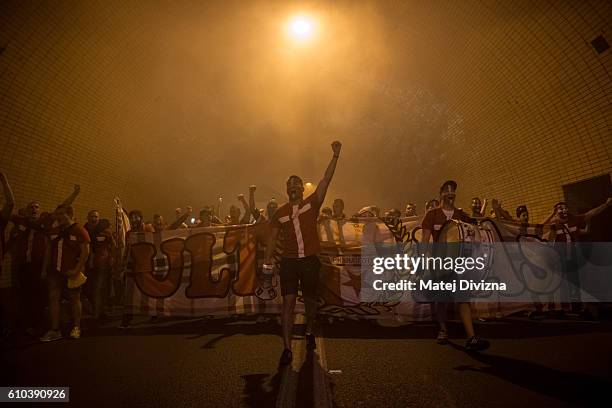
(54, 258)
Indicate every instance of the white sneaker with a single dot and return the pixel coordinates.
(75, 333)
(51, 335)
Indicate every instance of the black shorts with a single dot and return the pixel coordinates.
(57, 280)
(302, 271)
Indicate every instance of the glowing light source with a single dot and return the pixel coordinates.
(301, 28)
(309, 188)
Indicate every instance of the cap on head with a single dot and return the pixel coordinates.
(448, 184)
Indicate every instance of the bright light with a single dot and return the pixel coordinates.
(309, 188)
(301, 28)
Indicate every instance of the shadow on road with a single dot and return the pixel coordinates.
(348, 329)
(305, 387)
(260, 390)
(507, 329)
(571, 387)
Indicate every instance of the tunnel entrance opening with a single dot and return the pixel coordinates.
(587, 194)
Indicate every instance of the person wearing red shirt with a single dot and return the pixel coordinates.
(29, 242)
(565, 232)
(432, 226)
(100, 262)
(569, 225)
(69, 254)
(296, 222)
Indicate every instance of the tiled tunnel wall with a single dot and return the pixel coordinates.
(533, 95)
(61, 120)
(537, 98)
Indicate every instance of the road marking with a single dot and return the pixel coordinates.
(289, 375)
(322, 397)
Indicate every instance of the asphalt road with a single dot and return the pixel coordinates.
(232, 363)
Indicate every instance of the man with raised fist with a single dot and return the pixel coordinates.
(69, 253)
(297, 223)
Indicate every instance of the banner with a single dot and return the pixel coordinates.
(217, 270)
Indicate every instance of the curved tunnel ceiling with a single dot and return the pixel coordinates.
(173, 103)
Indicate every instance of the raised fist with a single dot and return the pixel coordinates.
(241, 197)
(252, 187)
(77, 188)
(336, 146)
